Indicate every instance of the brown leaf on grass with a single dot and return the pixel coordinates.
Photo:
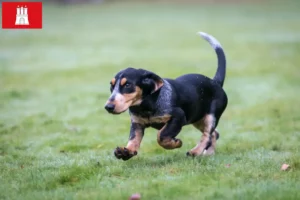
(284, 167)
(227, 165)
(173, 171)
(136, 196)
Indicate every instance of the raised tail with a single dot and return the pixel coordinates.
(221, 71)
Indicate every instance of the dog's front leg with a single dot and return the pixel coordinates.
(166, 136)
(133, 145)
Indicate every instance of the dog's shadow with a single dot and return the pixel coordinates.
(163, 160)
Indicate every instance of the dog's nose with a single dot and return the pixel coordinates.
(110, 107)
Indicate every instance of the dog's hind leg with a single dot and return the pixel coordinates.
(210, 150)
(207, 126)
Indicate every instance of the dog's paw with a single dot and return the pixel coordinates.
(208, 152)
(193, 154)
(178, 143)
(190, 154)
(124, 153)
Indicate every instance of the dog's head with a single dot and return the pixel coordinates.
(129, 87)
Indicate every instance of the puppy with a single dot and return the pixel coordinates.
(169, 104)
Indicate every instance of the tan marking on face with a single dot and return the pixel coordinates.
(123, 81)
(204, 125)
(168, 142)
(123, 101)
(113, 81)
(134, 144)
(151, 120)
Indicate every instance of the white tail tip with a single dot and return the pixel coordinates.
(212, 40)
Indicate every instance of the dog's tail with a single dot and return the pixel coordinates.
(221, 71)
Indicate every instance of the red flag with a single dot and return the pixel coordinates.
(22, 15)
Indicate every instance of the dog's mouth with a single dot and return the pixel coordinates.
(115, 113)
(116, 109)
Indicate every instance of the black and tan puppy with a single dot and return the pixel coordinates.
(169, 104)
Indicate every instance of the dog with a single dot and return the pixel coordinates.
(169, 104)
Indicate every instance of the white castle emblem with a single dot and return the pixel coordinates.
(22, 16)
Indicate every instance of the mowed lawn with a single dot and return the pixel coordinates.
(57, 141)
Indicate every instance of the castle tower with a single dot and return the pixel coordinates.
(22, 16)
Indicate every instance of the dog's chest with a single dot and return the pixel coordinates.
(152, 120)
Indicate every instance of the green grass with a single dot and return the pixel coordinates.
(57, 141)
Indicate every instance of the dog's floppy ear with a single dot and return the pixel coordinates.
(150, 82)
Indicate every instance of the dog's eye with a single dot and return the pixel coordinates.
(127, 85)
(111, 87)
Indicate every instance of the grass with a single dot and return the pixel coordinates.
(57, 141)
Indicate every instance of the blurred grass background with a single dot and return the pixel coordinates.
(56, 140)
